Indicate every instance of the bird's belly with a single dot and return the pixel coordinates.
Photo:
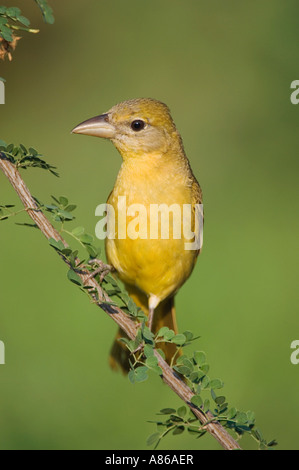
(156, 267)
(157, 263)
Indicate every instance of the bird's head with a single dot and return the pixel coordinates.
(136, 127)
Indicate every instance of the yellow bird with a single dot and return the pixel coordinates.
(155, 172)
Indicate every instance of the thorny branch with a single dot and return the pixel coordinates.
(169, 377)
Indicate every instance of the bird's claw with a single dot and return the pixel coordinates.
(102, 269)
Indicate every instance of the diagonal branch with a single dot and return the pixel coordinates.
(120, 317)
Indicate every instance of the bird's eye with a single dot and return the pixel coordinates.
(138, 125)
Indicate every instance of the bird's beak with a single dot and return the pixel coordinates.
(98, 126)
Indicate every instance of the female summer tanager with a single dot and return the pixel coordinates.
(155, 172)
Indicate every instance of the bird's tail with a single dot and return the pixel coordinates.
(164, 316)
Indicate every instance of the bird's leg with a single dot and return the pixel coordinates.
(151, 312)
(102, 269)
(153, 303)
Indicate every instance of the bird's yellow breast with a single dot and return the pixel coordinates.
(155, 265)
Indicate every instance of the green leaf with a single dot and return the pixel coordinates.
(114, 282)
(205, 382)
(124, 340)
(181, 359)
(220, 400)
(213, 394)
(46, 10)
(272, 443)
(182, 411)
(78, 231)
(179, 339)
(86, 239)
(206, 405)
(131, 344)
(196, 376)
(257, 434)
(151, 361)
(132, 307)
(250, 417)
(152, 439)
(24, 150)
(178, 430)
(33, 152)
(147, 334)
(162, 331)
(65, 215)
(216, 384)
(188, 363)
(168, 335)
(71, 208)
(58, 245)
(197, 401)
(183, 370)
(23, 20)
(92, 251)
(199, 357)
(6, 33)
(241, 418)
(63, 201)
(72, 258)
(131, 376)
(73, 277)
(188, 334)
(55, 199)
(141, 374)
(167, 411)
(148, 351)
(13, 12)
(205, 368)
(231, 413)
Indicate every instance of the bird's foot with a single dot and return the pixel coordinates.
(100, 268)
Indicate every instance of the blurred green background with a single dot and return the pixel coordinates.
(225, 70)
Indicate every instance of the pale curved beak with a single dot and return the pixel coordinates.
(98, 126)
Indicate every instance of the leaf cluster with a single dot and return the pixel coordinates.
(144, 346)
(25, 158)
(194, 370)
(5, 211)
(61, 211)
(143, 355)
(175, 422)
(12, 19)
